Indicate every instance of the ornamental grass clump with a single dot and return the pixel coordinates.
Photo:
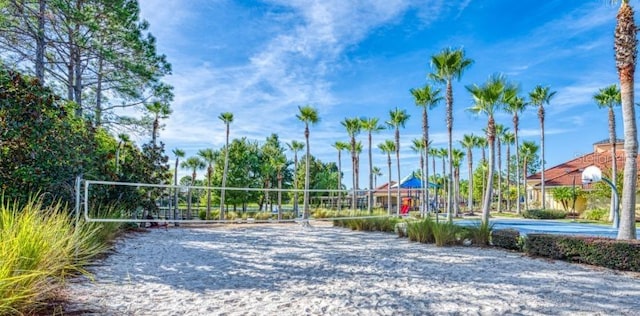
(39, 248)
(421, 231)
(446, 233)
(479, 233)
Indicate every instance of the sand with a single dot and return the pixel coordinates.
(291, 270)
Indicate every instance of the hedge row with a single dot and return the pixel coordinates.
(604, 252)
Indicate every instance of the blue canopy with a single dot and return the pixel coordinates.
(413, 182)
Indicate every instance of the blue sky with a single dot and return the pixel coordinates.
(260, 60)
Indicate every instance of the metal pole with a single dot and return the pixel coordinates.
(616, 206)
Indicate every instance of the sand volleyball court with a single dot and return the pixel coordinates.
(290, 270)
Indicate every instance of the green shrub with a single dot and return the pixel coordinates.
(421, 231)
(506, 238)
(262, 216)
(544, 214)
(604, 252)
(595, 215)
(543, 245)
(479, 233)
(215, 214)
(446, 233)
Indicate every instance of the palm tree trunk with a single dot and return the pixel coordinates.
(470, 193)
(339, 180)
(306, 177)
(435, 198)
(389, 184)
(499, 145)
(353, 173)
(175, 192)
(398, 198)
(370, 193)
(524, 183)
(425, 174)
(486, 207)
(614, 164)
(295, 183)
(515, 127)
(626, 50)
(542, 163)
(423, 210)
(450, 146)
(508, 179)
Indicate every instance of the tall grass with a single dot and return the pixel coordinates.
(39, 248)
(479, 233)
(446, 233)
(421, 231)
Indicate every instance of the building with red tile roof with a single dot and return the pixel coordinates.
(569, 173)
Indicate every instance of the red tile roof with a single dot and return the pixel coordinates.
(563, 174)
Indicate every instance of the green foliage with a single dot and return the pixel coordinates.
(597, 214)
(446, 233)
(544, 214)
(565, 195)
(383, 224)
(262, 216)
(605, 252)
(506, 238)
(215, 214)
(421, 231)
(39, 247)
(42, 145)
(479, 233)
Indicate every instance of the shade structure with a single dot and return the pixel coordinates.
(413, 182)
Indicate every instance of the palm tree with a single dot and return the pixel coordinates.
(527, 151)
(357, 168)
(458, 155)
(340, 146)
(353, 127)
(226, 118)
(469, 142)
(160, 110)
(448, 65)
(398, 118)
(387, 147)
(608, 98)
(371, 126)
(179, 153)
(418, 147)
(626, 50)
(308, 115)
(515, 106)
(427, 98)
(123, 140)
(539, 97)
(486, 100)
(376, 173)
(295, 146)
(193, 164)
(209, 156)
(500, 130)
(508, 139)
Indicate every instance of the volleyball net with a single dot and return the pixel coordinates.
(105, 201)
